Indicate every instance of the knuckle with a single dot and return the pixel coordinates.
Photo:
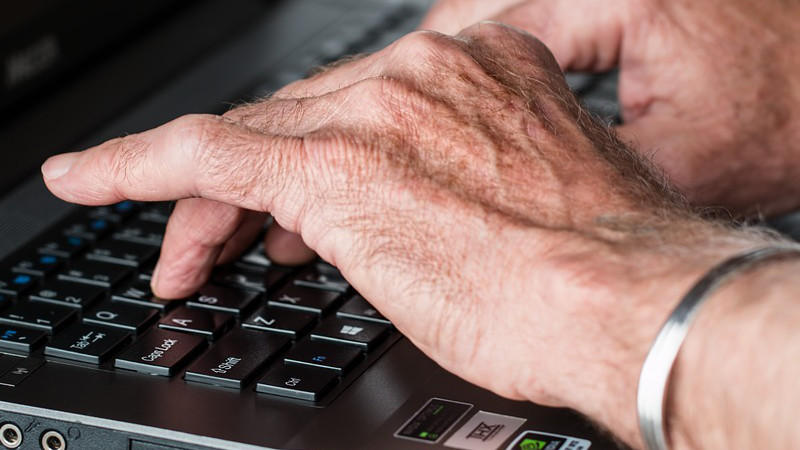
(424, 46)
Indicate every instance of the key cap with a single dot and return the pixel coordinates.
(156, 212)
(62, 293)
(233, 360)
(358, 308)
(40, 316)
(16, 284)
(250, 277)
(86, 343)
(160, 352)
(90, 229)
(114, 213)
(257, 257)
(37, 265)
(297, 382)
(138, 293)
(94, 273)
(21, 370)
(123, 253)
(282, 321)
(322, 355)
(119, 315)
(223, 299)
(322, 276)
(363, 335)
(141, 232)
(196, 321)
(20, 339)
(306, 299)
(62, 246)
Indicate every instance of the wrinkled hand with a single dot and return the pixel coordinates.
(460, 187)
(709, 88)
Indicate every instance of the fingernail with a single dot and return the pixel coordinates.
(58, 165)
(154, 280)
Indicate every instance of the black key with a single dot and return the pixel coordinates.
(358, 308)
(220, 298)
(156, 212)
(363, 335)
(279, 320)
(141, 232)
(114, 213)
(5, 300)
(138, 293)
(21, 370)
(63, 293)
(251, 277)
(257, 257)
(297, 382)
(37, 265)
(16, 284)
(20, 339)
(86, 343)
(119, 315)
(196, 321)
(160, 352)
(123, 253)
(48, 318)
(91, 229)
(322, 355)
(233, 360)
(98, 274)
(322, 276)
(146, 272)
(305, 299)
(62, 246)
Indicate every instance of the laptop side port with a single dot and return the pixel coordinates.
(10, 435)
(53, 440)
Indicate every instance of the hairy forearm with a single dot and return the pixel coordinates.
(735, 381)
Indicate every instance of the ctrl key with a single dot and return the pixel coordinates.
(160, 352)
(297, 382)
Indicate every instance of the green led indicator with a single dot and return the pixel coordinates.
(424, 434)
(532, 444)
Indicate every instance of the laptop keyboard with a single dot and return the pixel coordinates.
(80, 294)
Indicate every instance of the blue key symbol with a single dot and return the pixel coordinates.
(124, 206)
(8, 334)
(22, 279)
(318, 358)
(47, 259)
(75, 242)
(98, 225)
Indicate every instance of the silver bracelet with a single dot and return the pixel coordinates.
(657, 368)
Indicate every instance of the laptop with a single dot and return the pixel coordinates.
(262, 357)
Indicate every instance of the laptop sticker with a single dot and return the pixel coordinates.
(484, 431)
(431, 422)
(537, 440)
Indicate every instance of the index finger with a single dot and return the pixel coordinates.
(192, 156)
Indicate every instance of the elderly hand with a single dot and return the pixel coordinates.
(710, 89)
(460, 187)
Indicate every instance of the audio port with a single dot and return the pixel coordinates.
(53, 440)
(10, 435)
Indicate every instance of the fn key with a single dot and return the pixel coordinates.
(297, 382)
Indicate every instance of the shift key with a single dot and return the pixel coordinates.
(234, 359)
(160, 352)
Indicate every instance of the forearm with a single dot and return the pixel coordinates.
(735, 381)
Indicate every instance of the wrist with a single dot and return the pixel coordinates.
(733, 379)
(621, 303)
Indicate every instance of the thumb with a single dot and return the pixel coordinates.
(584, 35)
